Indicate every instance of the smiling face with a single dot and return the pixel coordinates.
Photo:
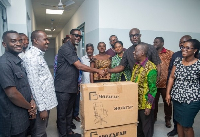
(89, 51)
(13, 43)
(113, 39)
(188, 50)
(41, 41)
(75, 38)
(118, 48)
(138, 53)
(25, 41)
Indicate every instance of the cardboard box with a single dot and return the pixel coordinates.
(118, 131)
(108, 104)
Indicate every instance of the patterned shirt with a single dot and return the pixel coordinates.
(145, 74)
(40, 79)
(165, 56)
(117, 76)
(186, 85)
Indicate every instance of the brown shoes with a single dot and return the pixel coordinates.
(168, 123)
(77, 119)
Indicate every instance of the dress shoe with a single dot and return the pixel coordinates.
(172, 133)
(168, 123)
(77, 119)
(72, 134)
(73, 126)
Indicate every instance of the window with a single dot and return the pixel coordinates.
(3, 25)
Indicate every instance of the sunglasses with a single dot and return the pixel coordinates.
(76, 35)
(135, 35)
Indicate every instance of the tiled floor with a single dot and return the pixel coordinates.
(160, 129)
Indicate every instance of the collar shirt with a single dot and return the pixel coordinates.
(66, 79)
(86, 75)
(40, 79)
(165, 56)
(13, 119)
(145, 74)
(128, 58)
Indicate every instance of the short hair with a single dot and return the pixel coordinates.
(112, 36)
(160, 38)
(187, 37)
(72, 31)
(144, 47)
(89, 45)
(34, 34)
(196, 44)
(63, 41)
(6, 33)
(100, 43)
(22, 34)
(119, 42)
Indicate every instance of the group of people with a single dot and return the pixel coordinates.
(28, 91)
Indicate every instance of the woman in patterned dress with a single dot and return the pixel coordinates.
(185, 88)
(100, 61)
(124, 75)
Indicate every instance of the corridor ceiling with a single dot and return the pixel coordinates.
(53, 21)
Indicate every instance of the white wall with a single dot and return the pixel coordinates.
(169, 19)
(17, 16)
(88, 12)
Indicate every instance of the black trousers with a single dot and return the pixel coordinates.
(39, 126)
(64, 111)
(167, 109)
(146, 124)
(23, 134)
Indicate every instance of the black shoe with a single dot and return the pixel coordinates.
(72, 134)
(172, 133)
(73, 126)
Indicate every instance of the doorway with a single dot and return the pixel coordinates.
(81, 46)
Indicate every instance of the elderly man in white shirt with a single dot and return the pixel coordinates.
(40, 80)
(86, 60)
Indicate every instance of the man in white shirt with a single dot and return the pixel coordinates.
(25, 42)
(40, 80)
(86, 60)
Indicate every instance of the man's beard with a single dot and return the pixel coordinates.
(24, 48)
(113, 46)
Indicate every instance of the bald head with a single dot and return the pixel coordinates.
(184, 39)
(135, 35)
(140, 52)
(143, 47)
(135, 30)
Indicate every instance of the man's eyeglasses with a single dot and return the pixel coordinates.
(135, 35)
(186, 48)
(77, 35)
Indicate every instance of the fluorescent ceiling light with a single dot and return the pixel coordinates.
(49, 11)
(49, 35)
(47, 29)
